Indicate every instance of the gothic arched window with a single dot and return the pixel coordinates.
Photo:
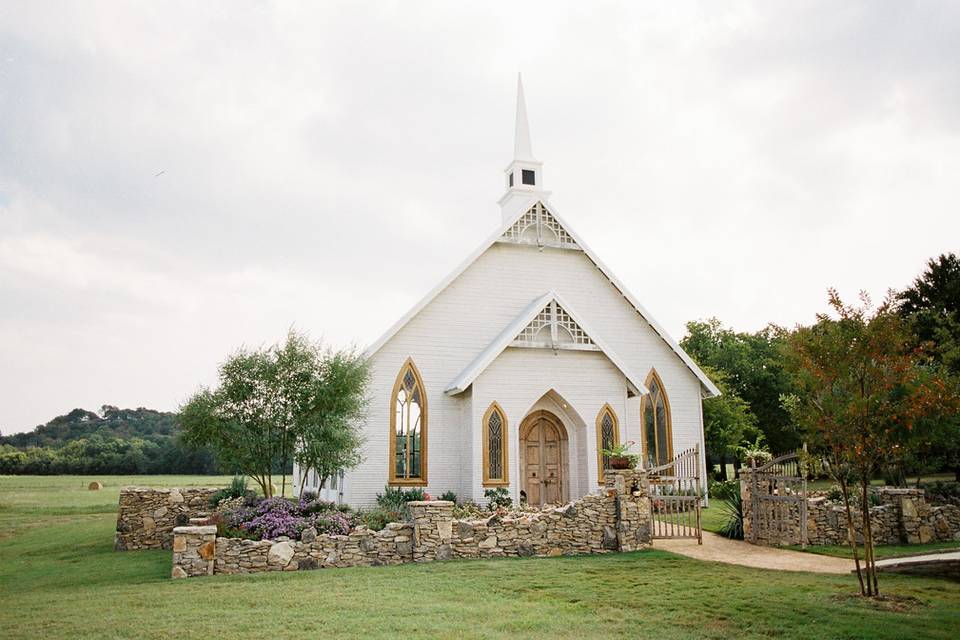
(656, 429)
(608, 436)
(408, 428)
(495, 471)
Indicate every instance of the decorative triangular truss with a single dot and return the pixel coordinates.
(553, 328)
(538, 227)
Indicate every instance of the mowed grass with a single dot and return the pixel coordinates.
(883, 551)
(33, 500)
(62, 579)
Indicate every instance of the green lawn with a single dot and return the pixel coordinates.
(35, 500)
(60, 578)
(883, 551)
(713, 517)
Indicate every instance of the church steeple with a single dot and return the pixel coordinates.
(524, 175)
(521, 134)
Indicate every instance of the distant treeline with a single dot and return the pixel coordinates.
(115, 441)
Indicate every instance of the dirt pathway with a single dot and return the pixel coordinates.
(719, 549)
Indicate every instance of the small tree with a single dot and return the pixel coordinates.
(329, 440)
(268, 403)
(862, 387)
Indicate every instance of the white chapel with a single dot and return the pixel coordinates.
(520, 367)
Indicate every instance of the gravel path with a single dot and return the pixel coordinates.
(719, 549)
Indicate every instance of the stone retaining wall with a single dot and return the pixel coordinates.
(617, 520)
(146, 517)
(903, 517)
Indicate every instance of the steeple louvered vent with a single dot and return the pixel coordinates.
(538, 227)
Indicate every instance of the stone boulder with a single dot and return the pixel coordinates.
(280, 554)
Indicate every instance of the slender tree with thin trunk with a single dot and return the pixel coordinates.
(862, 386)
(268, 405)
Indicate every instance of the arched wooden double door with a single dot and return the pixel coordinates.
(543, 459)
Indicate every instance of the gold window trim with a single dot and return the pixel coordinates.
(653, 375)
(408, 365)
(495, 482)
(605, 409)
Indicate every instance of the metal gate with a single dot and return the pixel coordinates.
(779, 501)
(675, 497)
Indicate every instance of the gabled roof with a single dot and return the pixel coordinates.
(707, 385)
(509, 334)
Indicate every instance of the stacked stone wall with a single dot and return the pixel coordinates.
(616, 520)
(363, 547)
(146, 517)
(902, 517)
(194, 549)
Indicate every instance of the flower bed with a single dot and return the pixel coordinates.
(272, 518)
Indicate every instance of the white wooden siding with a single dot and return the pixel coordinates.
(585, 380)
(465, 317)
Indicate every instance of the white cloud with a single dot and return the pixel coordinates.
(729, 159)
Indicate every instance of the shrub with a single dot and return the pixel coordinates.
(724, 489)
(396, 498)
(499, 497)
(834, 494)
(469, 510)
(230, 504)
(333, 523)
(377, 518)
(733, 508)
(450, 496)
(310, 505)
(940, 492)
(236, 489)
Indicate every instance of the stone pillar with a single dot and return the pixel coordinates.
(746, 493)
(432, 529)
(194, 551)
(631, 528)
(914, 514)
(146, 517)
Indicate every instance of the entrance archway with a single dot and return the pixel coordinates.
(543, 459)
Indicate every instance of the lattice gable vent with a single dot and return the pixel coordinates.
(553, 328)
(538, 227)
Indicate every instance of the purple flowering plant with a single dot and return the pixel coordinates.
(271, 518)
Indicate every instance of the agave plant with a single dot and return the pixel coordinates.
(733, 508)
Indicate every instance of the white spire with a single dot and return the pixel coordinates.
(524, 174)
(521, 141)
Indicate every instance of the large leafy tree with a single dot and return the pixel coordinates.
(271, 401)
(862, 388)
(728, 422)
(753, 366)
(931, 305)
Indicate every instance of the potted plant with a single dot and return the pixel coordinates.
(620, 457)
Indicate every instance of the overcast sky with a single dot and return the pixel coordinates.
(180, 179)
